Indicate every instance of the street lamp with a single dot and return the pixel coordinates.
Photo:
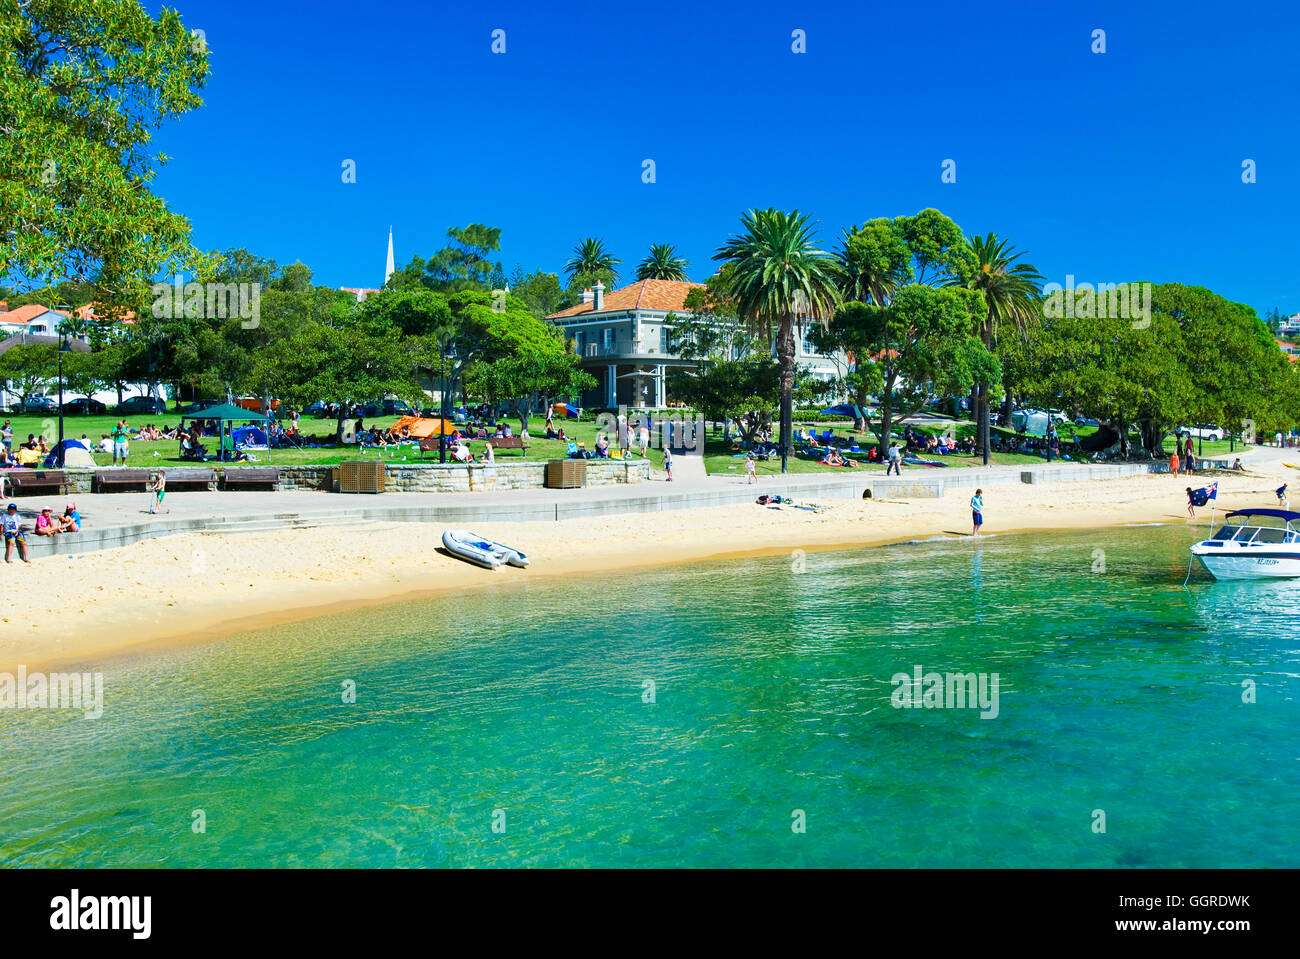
(442, 424)
(64, 347)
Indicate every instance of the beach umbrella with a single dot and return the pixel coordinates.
(845, 409)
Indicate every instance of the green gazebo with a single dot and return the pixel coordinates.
(226, 414)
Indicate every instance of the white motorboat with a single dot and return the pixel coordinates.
(1251, 548)
(480, 550)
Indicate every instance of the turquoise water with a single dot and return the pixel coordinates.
(1119, 691)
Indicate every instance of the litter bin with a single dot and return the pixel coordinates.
(566, 474)
(361, 476)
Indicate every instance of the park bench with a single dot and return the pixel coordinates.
(500, 443)
(196, 476)
(37, 479)
(109, 480)
(238, 477)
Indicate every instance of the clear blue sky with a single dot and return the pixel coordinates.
(1112, 167)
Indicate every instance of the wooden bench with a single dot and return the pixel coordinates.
(107, 480)
(253, 476)
(192, 476)
(37, 479)
(500, 443)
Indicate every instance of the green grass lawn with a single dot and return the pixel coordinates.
(717, 459)
(141, 453)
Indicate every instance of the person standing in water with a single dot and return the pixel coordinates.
(977, 511)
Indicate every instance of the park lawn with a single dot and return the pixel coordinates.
(718, 458)
(141, 453)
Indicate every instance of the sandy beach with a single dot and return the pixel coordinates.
(194, 587)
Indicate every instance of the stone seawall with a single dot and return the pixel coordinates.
(427, 477)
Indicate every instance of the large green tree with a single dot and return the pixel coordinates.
(921, 345)
(1200, 359)
(83, 86)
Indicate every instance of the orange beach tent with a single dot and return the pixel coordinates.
(422, 427)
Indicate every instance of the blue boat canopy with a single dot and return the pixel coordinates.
(1283, 514)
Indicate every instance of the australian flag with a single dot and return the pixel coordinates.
(1206, 493)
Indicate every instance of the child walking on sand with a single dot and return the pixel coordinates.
(1282, 499)
(977, 511)
(159, 489)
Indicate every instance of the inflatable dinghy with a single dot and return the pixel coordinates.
(481, 551)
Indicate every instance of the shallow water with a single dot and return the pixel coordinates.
(528, 709)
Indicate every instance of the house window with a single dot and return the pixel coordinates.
(609, 338)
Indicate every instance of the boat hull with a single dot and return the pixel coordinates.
(1248, 563)
(481, 551)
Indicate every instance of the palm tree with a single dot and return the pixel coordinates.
(777, 275)
(662, 263)
(590, 257)
(1011, 291)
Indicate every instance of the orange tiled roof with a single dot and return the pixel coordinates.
(88, 313)
(658, 295)
(25, 314)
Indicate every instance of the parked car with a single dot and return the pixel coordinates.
(1208, 432)
(141, 405)
(85, 405)
(321, 410)
(1086, 421)
(396, 408)
(198, 406)
(40, 404)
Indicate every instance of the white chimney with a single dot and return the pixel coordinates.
(587, 296)
(600, 297)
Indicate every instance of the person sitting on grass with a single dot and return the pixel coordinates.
(602, 446)
(13, 528)
(46, 525)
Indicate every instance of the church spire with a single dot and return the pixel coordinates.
(388, 271)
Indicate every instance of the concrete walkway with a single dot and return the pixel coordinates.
(118, 519)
